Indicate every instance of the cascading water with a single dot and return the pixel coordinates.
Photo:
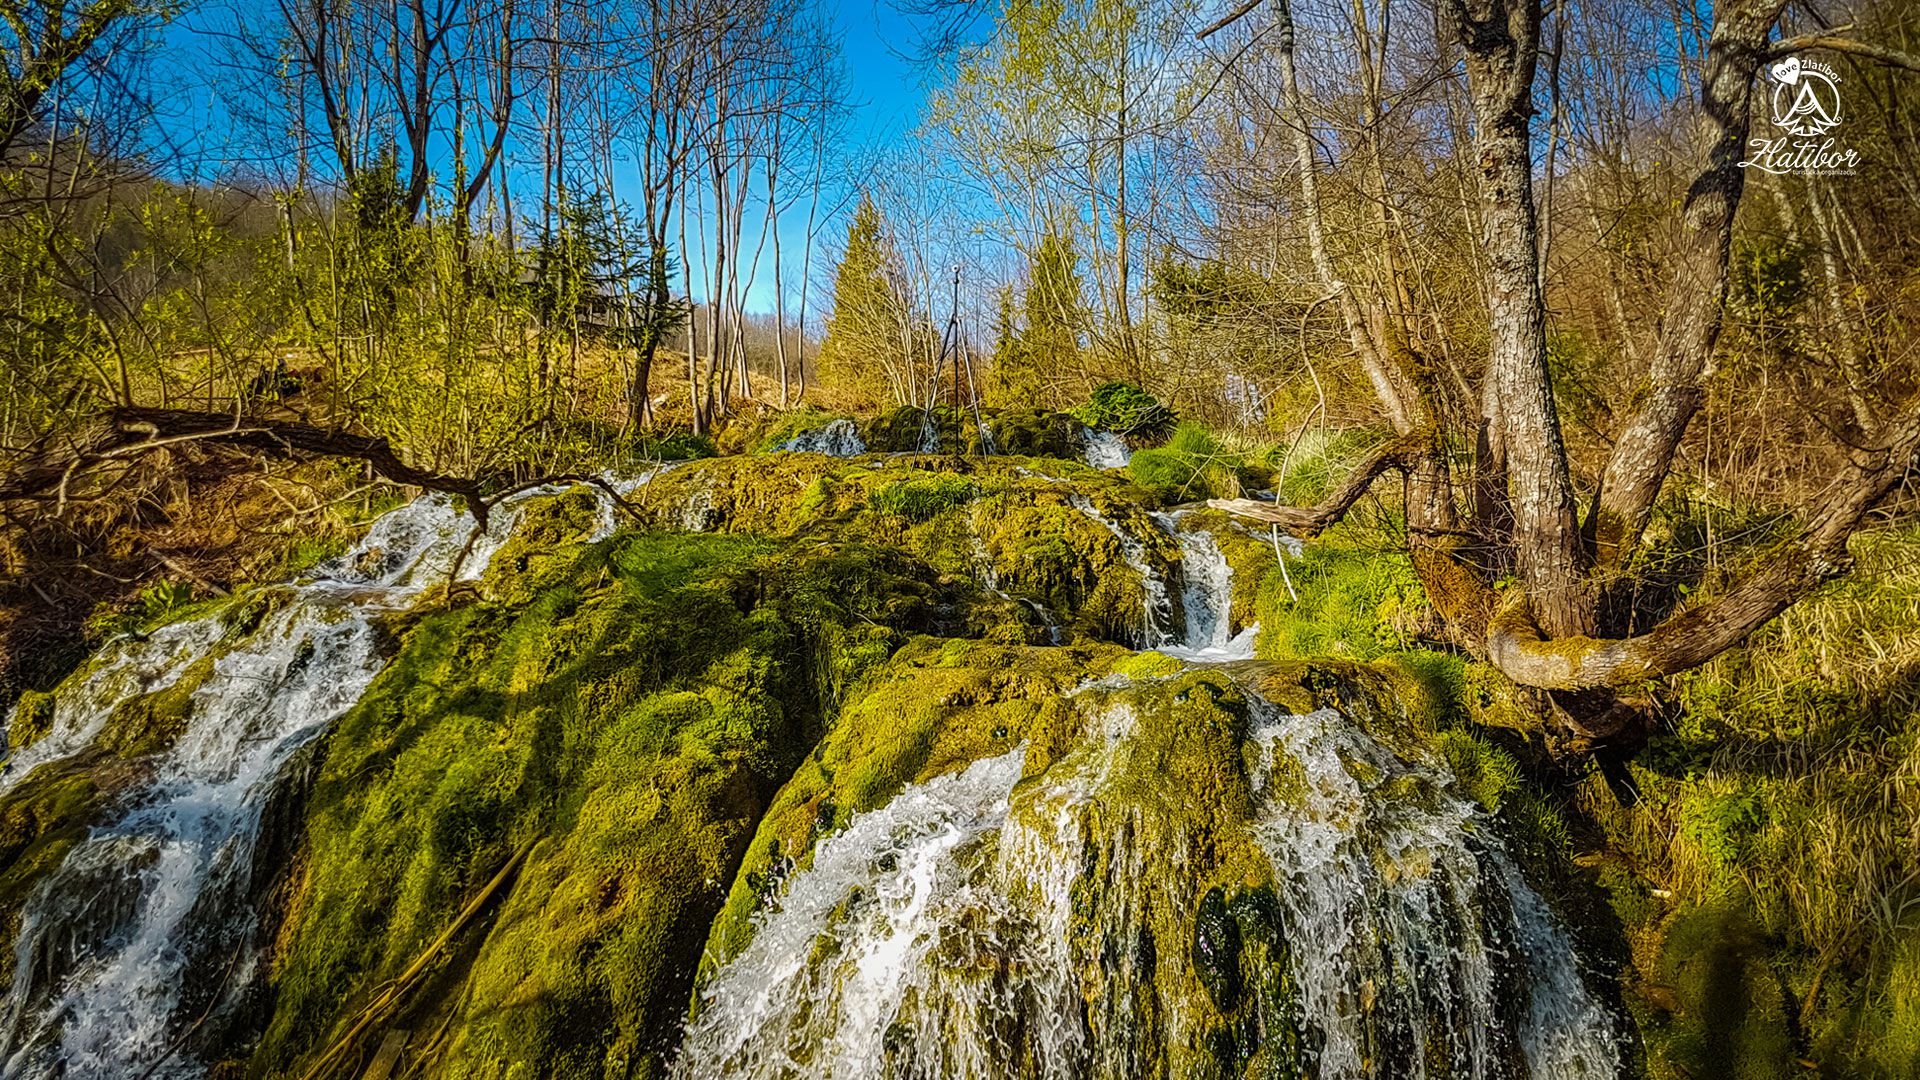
(96, 987)
(147, 925)
(1206, 597)
(985, 925)
(981, 925)
(1038, 913)
(1104, 449)
(836, 438)
(1414, 937)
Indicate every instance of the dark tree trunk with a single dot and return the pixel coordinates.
(1501, 42)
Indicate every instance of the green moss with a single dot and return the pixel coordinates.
(790, 425)
(1148, 665)
(924, 498)
(1487, 773)
(937, 706)
(1043, 548)
(626, 709)
(41, 818)
(1033, 433)
(149, 723)
(31, 719)
(1728, 1017)
(550, 534)
(1207, 946)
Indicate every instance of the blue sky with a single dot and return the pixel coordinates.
(192, 84)
(887, 87)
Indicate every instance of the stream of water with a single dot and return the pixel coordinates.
(933, 937)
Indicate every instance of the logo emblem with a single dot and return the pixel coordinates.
(1805, 102)
(1806, 98)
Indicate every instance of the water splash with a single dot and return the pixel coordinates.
(836, 438)
(1104, 449)
(128, 666)
(182, 856)
(1206, 598)
(979, 925)
(871, 955)
(1414, 938)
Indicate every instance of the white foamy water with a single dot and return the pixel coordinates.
(1206, 598)
(981, 926)
(1412, 933)
(1104, 449)
(836, 438)
(147, 923)
(857, 965)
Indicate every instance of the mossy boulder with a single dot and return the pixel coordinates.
(31, 718)
(1131, 766)
(621, 712)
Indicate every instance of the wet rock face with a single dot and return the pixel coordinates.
(1216, 950)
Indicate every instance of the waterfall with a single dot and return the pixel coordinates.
(1206, 597)
(836, 438)
(982, 925)
(148, 923)
(874, 908)
(180, 859)
(1414, 936)
(1104, 449)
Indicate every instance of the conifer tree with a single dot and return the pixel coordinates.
(1012, 381)
(1027, 362)
(864, 346)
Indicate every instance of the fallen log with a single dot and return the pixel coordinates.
(48, 470)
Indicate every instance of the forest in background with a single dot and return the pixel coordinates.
(508, 242)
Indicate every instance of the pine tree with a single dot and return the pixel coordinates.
(863, 343)
(1011, 382)
(1027, 361)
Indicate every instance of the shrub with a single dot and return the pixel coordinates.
(1125, 409)
(1192, 465)
(674, 446)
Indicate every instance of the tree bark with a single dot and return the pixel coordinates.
(50, 471)
(1390, 384)
(1403, 455)
(1817, 554)
(1501, 42)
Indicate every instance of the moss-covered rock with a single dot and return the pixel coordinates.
(936, 707)
(1132, 766)
(31, 718)
(622, 711)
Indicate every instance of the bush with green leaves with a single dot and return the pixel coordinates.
(675, 446)
(1193, 465)
(1125, 409)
